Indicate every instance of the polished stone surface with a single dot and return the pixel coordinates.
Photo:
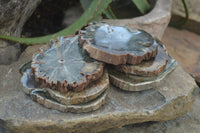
(13, 15)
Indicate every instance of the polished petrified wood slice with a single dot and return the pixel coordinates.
(132, 82)
(92, 91)
(147, 68)
(117, 45)
(64, 67)
(43, 98)
(93, 99)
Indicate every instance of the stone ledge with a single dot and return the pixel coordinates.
(21, 114)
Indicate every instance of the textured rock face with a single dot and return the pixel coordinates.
(189, 124)
(13, 15)
(20, 114)
(9, 53)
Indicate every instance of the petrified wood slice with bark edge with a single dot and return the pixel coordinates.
(64, 67)
(131, 82)
(93, 99)
(92, 91)
(42, 97)
(147, 68)
(117, 45)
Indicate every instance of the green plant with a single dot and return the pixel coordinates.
(93, 10)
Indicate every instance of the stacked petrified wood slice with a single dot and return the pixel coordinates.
(62, 75)
(69, 79)
(138, 61)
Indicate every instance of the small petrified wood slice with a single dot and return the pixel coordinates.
(147, 68)
(131, 82)
(117, 45)
(42, 97)
(64, 67)
(92, 91)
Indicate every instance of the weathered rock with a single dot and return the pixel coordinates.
(117, 45)
(20, 114)
(184, 46)
(147, 68)
(9, 53)
(155, 22)
(13, 15)
(189, 123)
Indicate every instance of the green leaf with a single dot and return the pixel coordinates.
(109, 13)
(142, 5)
(96, 18)
(96, 7)
(85, 4)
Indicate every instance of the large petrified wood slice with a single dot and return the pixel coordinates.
(92, 91)
(64, 67)
(93, 98)
(147, 68)
(117, 45)
(42, 97)
(131, 82)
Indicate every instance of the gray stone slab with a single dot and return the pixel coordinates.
(189, 123)
(20, 114)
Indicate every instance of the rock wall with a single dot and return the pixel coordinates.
(13, 15)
